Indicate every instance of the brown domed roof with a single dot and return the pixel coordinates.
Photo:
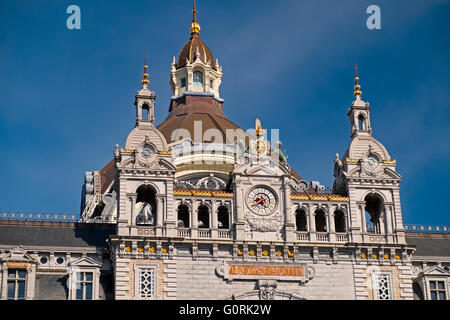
(185, 110)
(194, 45)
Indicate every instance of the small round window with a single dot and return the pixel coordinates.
(43, 260)
(60, 260)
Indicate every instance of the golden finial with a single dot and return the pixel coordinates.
(258, 130)
(357, 87)
(145, 81)
(195, 27)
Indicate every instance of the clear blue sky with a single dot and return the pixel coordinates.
(66, 97)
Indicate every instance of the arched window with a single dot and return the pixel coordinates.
(361, 122)
(203, 217)
(146, 205)
(321, 223)
(145, 112)
(183, 216)
(300, 220)
(223, 218)
(374, 208)
(198, 79)
(339, 221)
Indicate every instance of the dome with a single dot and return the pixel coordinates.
(194, 45)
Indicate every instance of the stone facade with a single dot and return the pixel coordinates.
(200, 218)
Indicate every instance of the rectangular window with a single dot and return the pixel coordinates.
(183, 82)
(382, 286)
(84, 285)
(146, 285)
(437, 290)
(16, 284)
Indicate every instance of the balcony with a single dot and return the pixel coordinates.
(322, 237)
(302, 236)
(204, 233)
(341, 237)
(184, 232)
(224, 234)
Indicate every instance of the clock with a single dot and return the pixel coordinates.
(261, 200)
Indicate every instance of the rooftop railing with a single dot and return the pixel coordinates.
(44, 217)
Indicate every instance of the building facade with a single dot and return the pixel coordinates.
(198, 208)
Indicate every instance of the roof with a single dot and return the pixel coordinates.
(186, 110)
(59, 234)
(430, 244)
(194, 45)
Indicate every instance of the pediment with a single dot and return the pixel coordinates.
(17, 254)
(435, 271)
(86, 262)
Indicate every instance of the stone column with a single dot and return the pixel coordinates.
(194, 219)
(331, 226)
(214, 219)
(289, 220)
(239, 224)
(159, 215)
(132, 199)
(312, 225)
(362, 210)
(4, 284)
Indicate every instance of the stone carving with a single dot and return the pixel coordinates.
(264, 224)
(220, 269)
(210, 183)
(267, 289)
(145, 215)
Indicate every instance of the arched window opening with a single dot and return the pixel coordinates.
(300, 220)
(374, 207)
(183, 216)
(361, 122)
(145, 112)
(223, 218)
(146, 206)
(203, 217)
(198, 79)
(339, 221)
(321, 222)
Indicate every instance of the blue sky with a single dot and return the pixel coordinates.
(67, 95)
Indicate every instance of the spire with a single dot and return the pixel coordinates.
(258, 130)
(145, 82)
(357, 87)
(195, 27)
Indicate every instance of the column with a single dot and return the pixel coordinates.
(362, 210)
(331, 226)
(159, 215)
(194, 219)
(132, 213)
(214, 217)
(312, 226)
(289, 221)
(239, 224)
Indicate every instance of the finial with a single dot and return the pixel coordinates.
(195, 27)
(145, 81)
(357, 87)
(258, 130)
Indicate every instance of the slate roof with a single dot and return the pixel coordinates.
(430, 244)
(59, 234)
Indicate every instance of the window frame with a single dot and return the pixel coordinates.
(197, 84)
(374, 277)
(436, 280)
(138, 268)
(15, 281)
(83, 283)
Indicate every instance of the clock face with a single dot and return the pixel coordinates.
(261, 200)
